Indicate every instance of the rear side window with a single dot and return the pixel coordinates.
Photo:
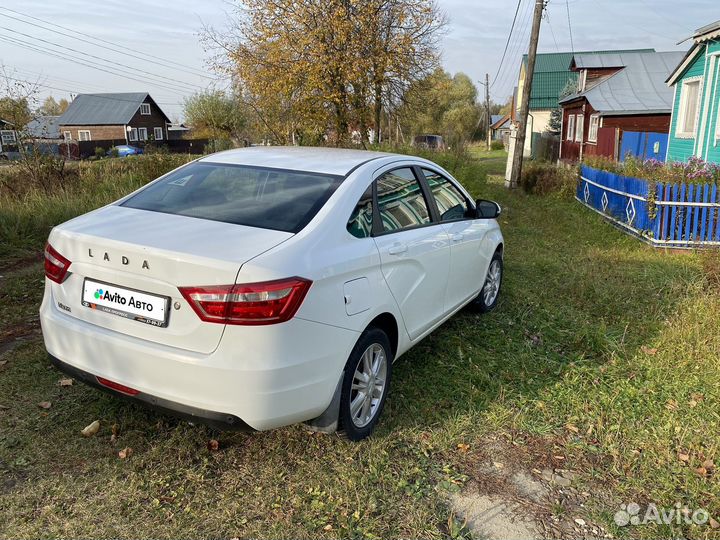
(451, 203)
(258, 197)
(401, 201)
(360, 222)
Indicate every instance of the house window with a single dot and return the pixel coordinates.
(594, 125)
(158, 133)
(8, 137)
(570, 128)
(142, 134)
(132, 135)
(145, 108)
(688, 108)
(579, 127)
(67, 135)
(84, 135)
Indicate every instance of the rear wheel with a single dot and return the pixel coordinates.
(365, 384)
(489, 294)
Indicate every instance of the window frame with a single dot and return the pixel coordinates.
(680, 133)
(11, 136)
(80, 135)
(717, 119)
(133, 135)
(141, 131)
(580, 127)
(594, 120)
(469, 203)
(570, 135)
(67, 136)
(145, 107)
(377, 226)
(155, 133)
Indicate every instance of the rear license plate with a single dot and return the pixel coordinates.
(127, 303)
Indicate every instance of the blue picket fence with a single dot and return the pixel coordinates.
(681, 215)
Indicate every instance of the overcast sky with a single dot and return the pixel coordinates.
(168, 30)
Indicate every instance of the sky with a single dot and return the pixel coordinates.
(476, 36)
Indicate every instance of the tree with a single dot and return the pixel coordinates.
(555, 123)
(443, 104)
(50, 107)
(215, 115)
(16, 110)
(320, 67)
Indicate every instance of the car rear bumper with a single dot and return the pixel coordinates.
(262, 376)
(223, 421)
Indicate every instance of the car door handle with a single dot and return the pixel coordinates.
(397, 249)
(457, 237)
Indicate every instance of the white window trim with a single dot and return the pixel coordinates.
(133, 135)
(145, 107)
(67, 135)
(155, 133)
(682, 106)
(579, 128)
(570, 135)
(80, 137)
(717, 117)
(594, 118)
(10, 134)
(583, 80)
(142, 134)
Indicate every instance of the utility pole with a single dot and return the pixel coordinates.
(487, 108)
(525, 104)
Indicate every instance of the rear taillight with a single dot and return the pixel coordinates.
(117, 387)
(268, 302)
(56, 266)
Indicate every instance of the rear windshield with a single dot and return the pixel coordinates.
(267, 198)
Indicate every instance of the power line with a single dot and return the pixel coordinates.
(512, 27)
(552, 33)
(169, 79)
(73, 92)
(119, 48)
(55, 79)
(87, 63)
(567, 7)
(518, 46)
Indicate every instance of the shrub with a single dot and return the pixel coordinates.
(99, 152)
(543, 179)
(497, 145)
(218, 145)
(694, 171)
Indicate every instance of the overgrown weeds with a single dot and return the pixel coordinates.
(541, 178)
(32, 202)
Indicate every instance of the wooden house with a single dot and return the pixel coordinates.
(695, 124)
(622, 105)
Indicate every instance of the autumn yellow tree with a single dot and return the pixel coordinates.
(321, 67)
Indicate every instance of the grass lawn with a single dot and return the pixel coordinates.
(602, 356)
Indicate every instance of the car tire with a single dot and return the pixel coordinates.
(359, 410)
(487, 299)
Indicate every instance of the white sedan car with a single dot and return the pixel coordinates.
(261, 287)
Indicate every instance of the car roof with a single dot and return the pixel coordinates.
(335, 161)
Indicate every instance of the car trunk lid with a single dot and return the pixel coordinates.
(153, 253)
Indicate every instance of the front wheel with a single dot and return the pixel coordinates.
(489, 294)
(365, 384)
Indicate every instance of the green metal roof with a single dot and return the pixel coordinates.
(552, 74)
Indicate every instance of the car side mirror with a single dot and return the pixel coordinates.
(487, 209)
